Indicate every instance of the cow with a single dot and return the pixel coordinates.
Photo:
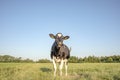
(59, 52)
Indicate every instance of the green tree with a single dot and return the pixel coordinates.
(109, 59)
(73, 59)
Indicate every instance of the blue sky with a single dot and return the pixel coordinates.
(93, 27)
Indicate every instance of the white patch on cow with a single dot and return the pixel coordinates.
(59, 35)
(57, 59)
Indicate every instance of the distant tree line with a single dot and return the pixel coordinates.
(43, 61)
(8, 58)
(94, 59)
(73, 59)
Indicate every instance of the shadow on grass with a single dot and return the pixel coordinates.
(45, 69)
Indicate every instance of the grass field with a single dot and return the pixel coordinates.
(44, 71)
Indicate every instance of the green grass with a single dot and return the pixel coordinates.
(44, 71)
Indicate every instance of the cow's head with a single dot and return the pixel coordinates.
(58, 39)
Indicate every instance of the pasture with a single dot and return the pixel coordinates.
(44, 71)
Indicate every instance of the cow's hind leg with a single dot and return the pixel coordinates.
(61, 66)
(66, 66)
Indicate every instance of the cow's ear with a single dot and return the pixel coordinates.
(52, 36)
(66, 37)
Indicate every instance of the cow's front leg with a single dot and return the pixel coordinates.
(61, 66)
(55, 67)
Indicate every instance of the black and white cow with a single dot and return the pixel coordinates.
(59, 52)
